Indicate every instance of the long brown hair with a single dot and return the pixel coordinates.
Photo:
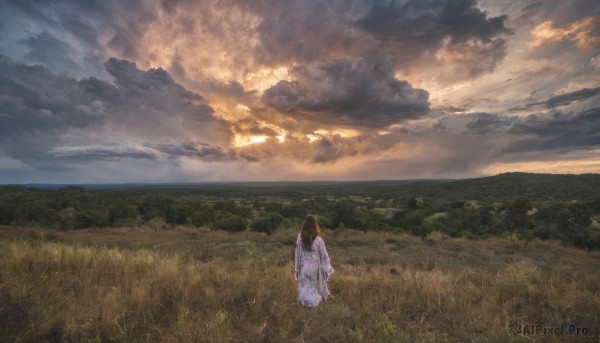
(310, 231)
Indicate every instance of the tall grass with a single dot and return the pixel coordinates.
(386, 288)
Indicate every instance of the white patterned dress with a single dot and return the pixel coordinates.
(312, 270)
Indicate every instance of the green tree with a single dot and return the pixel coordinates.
(487, 218)
(367, 220)
(342, 212)
(122, 213)
(593, 240)
(243, 211)
(294, 211)
(461, 220)
(516, 213)
(545, 232)
(267, 223)
(413, 221)
(273, 207)
(412, 204)
(225, 205)
(581, 214)
(89, 218)
(180, 214)
(232, 224)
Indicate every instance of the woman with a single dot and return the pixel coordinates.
(312, 266)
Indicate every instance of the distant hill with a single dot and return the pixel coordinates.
(536, 187)
(509, 185)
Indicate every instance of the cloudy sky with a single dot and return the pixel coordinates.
(233, 90)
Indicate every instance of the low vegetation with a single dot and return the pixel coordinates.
(547, 207)
(196, 285)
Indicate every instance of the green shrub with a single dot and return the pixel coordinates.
(89, 218)
(593, 241)
(545, 231)
(232, 224)
(243, 211)
(268, 223)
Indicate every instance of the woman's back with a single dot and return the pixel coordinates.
(312, 267)
(313, 253)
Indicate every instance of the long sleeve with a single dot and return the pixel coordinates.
(325, 262)
(298, 259)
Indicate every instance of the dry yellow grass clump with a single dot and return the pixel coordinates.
(193, 285)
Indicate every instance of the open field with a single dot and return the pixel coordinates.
(185, 285)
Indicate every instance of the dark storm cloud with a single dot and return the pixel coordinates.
(34, 100)
(463, 36)
(82, 29)
(46, 49)
(568, 98)
(532, 7)
(148, 151)
(342, 92)
(526, 16)
(325, 151)
(581, 132)
(125, 41)
(469, 60)
(304, 31)
(100, 153)
(454, 109)
(89, 28)
(67, 14)
(38, 108)
(537, 133)
(155, 89)
(202, 151)
(410, 32)
(74, 14)
(226, 90)
(558, 11)
(560, 100)
(309, 31)
(582, 125)
(153, 105)
(528, 107)
(427, 23)
(486, 123)
(36, 9)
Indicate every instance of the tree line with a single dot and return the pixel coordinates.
(71, 208)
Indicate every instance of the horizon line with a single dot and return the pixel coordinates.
(137, 183)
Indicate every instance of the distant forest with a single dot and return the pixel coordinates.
(543, 206)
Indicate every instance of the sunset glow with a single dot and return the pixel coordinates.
(108, 91)
(240, 141)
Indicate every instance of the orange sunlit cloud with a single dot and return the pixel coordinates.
(579, 32)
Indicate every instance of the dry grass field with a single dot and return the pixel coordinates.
(194, 285)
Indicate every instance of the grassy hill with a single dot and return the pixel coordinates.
(531, 186)
(194, 285)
